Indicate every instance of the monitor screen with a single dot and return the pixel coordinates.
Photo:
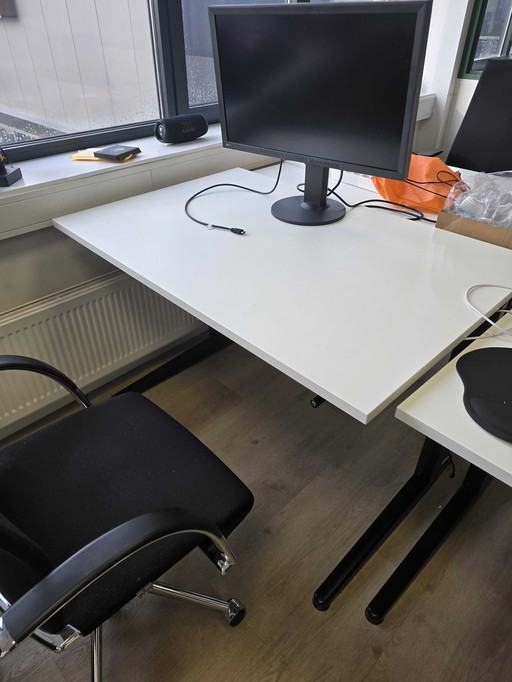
(332, 85)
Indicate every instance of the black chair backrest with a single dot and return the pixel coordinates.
(15, 542)
(484, 140)
(22, 562)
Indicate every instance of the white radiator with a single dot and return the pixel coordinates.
(93, 333)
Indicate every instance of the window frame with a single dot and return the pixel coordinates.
(166, 20)
(472, 37)
(171, 62)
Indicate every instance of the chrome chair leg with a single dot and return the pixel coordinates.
(232, 609)
(96, 651)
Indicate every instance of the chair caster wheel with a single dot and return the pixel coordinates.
(236, 612)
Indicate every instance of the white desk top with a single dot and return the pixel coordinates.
(355, 311)
(437, 410)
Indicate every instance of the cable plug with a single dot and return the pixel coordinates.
(237, 230)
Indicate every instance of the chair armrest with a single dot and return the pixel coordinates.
(84, 567)
(33, 365)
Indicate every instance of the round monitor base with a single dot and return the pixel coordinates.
(296, 211)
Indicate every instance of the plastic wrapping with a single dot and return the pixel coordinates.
(487, 199)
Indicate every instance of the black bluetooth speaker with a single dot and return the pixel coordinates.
(182, 128)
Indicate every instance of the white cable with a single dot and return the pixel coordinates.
(501, 330)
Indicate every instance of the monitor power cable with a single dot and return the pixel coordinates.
(394, 207)
(234, 230)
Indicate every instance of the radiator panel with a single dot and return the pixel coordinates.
(93, 333)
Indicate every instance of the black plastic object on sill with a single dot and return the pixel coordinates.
(8, 173)
(116, 152)
(487, 377)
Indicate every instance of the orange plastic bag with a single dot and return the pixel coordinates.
(426, 187)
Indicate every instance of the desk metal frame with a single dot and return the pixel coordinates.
(432, 461)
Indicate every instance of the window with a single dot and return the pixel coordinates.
(490, 35)
(80, 74)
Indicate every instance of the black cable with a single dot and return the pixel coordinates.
(330, 191)
(424, 189)
(235, 230)
(414, 213)
(453, 181)
(301, 185)
(414, 216)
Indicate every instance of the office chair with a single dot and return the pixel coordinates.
(97, 506)
(484, 140)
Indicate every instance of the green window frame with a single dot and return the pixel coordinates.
(468, 69)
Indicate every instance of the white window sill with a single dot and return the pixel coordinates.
(56, 185)
(60, 168)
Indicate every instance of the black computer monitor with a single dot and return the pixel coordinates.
(333, 85)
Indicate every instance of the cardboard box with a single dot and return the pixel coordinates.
(475, 229)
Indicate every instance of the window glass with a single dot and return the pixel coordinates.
(494, 36)
(198, 48)
(69, 66)
(495, 30)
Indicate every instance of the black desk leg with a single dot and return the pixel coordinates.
(462, 500)
(432, 460)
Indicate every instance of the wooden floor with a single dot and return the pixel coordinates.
(318, 477)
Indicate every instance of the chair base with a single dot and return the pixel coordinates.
(96, 654)
(232, 608)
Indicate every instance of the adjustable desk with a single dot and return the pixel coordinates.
(356, 311)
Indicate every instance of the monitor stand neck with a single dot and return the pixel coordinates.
(313, 208)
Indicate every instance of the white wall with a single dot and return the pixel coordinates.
(38, 264)
(445, 45)
(462, 94)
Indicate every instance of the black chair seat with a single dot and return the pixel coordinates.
(72, 481)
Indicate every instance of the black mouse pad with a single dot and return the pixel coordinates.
(487, 377)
